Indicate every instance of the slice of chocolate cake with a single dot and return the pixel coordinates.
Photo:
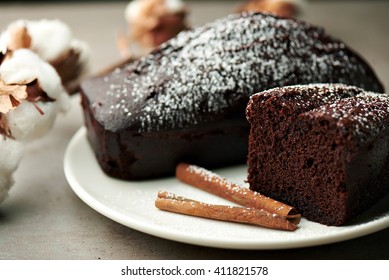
(186, 100)
(322, 148)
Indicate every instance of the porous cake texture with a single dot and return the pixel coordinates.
(322, 148)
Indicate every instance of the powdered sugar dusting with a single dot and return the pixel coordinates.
(208, 72)
(323, 92)
(362, 116)
(355, 111)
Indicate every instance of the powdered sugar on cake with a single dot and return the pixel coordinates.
(349, 106)
(363, 116)
(208, 72)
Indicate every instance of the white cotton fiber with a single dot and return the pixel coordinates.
(29, 120)
(11, 152)
(26, 66)
(6, 181)
(27, 123)
(49, 38)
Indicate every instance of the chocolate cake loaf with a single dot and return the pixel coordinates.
(186, 100)
(322, 148)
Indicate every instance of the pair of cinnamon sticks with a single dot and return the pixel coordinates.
(257, 209)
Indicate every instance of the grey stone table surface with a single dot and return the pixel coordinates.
(44, 219)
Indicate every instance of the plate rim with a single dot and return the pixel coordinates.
(81, 135)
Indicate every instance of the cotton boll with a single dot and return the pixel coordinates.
(35, 115)
(11, 152)
(20, 68)
(4, 41)
(6, 182)
(63, 103)
(27, 123)
(49, 80)
(134, 8)
(174, 6)
(151, 23)
(83, 50)
(7, 36)
(26, 66)
(49, 38)
(52, 41)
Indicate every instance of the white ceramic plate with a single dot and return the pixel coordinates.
(132, 204)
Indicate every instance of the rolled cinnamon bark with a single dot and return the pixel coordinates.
(178, 204)
(213, 183)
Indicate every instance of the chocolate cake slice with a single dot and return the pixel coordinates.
(186, 100)
(322, 148)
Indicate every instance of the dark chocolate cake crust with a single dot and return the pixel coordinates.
(202, 80)
(322, 148)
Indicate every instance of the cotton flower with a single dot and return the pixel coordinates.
(52, 41)
(29, 116)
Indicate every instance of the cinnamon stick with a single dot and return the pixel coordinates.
(215, 184)
(173, 203)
